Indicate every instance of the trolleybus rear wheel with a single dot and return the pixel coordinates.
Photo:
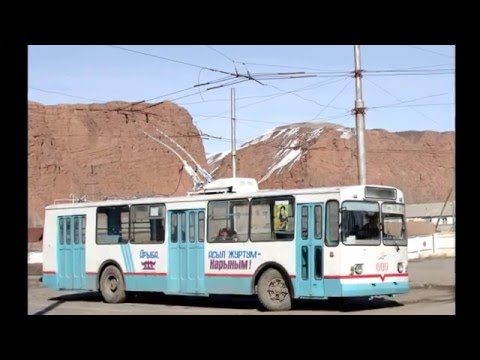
(272, 291)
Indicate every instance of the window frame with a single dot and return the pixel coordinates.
(213, 238)
(131, 237)
(291, 202)
(121, 240)
(361, 242)
(394, 242)
(201, 228)
(327, 240)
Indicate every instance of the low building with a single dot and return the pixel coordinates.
(432, 212)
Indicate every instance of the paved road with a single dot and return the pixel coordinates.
(432, 282)
(435, 271)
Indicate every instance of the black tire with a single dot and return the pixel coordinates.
(273, 292)
(112, 285)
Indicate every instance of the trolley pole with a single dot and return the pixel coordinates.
(360, 119)
(234, 153)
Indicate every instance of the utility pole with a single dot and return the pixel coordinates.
(234, 154)
(443, 208)
(359, 118)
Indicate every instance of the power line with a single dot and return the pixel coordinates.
(415, 67)
(415, 105)
(288, 92)
(348, 117)
(303, 98)
(310, 87)
(242, 119)
(202, 135)
(205, 101)
(271, 97)
(233, 77)
(157, 56)
(332, 72)
(406, 101)
(154, 98)
(410, 74)
(388, 72)
(237, 75)
(179, 91)
(180, 97)
(249, 77)
(294, 67)
(219, 52)
(306, 88)
(430, 51)
(285, 92)
(412, 71)
(309, 74)
(130, 105)
(398, 99)
(60, 93)
(333, 99)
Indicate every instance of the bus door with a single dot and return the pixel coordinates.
(309, 250)
(186, 272)
(71, 252)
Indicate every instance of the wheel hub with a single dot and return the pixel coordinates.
(113, 283)
(277, 290)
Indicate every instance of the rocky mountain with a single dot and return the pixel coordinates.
(104, 151)
(301, 155)
(121, 149)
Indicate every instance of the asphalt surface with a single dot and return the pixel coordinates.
(431, 272)
(432, 283)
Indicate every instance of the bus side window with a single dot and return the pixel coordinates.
(332, 223)
(112, 224)
(173, 228)
(157, 230)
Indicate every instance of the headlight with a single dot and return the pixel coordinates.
(357, 269)
(400, 267)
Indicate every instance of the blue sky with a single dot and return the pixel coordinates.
(405, 87)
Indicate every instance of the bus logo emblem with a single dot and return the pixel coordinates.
(148, 265)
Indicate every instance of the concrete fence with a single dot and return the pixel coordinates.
(438, 244)
(35, 257)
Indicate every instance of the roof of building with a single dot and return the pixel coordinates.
(429, 210)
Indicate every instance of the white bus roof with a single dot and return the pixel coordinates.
(217, 196)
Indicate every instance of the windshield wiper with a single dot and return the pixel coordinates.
(393, 239)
